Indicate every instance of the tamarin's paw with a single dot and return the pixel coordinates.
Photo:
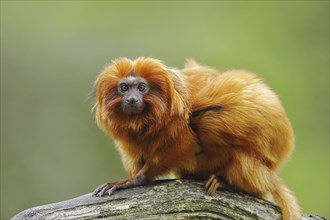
(104, 189)
(214, 183)
(109, 188)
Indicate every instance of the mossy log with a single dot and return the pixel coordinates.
(164, 199)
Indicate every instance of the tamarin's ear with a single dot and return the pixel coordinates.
(190, 63)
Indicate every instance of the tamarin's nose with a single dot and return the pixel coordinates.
(131, 100)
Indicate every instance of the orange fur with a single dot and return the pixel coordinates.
(199, 123)
(248, 139)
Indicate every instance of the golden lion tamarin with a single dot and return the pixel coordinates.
(228, 129)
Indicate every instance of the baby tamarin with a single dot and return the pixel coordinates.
(226, 128)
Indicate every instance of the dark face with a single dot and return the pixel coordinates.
(133, 89)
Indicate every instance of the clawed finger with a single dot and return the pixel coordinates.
(105, 189)
(209, 181)
(213, 188)
(109, 188)
(212, 184)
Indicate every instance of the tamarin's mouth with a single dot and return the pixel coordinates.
(132, 108)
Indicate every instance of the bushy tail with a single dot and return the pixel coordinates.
(285, 199)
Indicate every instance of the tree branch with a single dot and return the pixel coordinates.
(164, 199)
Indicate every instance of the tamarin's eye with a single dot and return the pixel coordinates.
(123, 87)
(141, 87)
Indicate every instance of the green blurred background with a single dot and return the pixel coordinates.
(51, 52)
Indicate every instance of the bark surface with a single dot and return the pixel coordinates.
(165, 199)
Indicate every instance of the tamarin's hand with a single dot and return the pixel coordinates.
(228, 129)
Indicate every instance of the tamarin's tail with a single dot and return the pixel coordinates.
(287, 202)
